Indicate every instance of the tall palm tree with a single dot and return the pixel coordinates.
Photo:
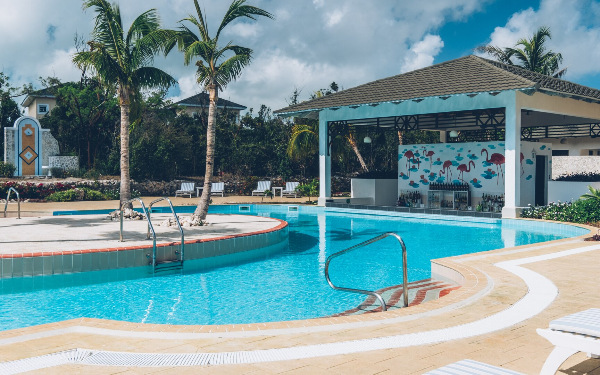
(123, 59)
(531, 54)
(217, 66)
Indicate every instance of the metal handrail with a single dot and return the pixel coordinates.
(18, 202)
(149, 226)
(374, 294)
(176, 220)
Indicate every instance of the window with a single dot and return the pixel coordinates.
(560, 152)
(42, 109)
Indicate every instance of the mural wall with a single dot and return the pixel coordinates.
(479, 164)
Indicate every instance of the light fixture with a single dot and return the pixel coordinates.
(533, 154)
(527, 113)
(367, 139)
(453, 134)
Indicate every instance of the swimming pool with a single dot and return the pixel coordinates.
(287, 284)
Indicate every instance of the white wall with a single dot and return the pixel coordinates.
(566, 191)
(381, 191)
(576, 146)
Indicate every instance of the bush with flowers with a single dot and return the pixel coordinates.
(580, 211)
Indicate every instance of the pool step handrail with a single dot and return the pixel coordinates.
(371, 293)
(181, 251)
(11, 189)
(145, 212)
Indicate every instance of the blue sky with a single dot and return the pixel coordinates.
(314, 42)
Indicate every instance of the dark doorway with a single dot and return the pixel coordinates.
(541, 163)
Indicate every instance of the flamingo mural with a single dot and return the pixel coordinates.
(408, 155)
(429, 155)
(497, 160)
(522, 170)
(464, 168)
(446, 169)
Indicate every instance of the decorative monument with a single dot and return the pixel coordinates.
(33, 150)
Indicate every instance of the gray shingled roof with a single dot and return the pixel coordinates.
(465, 75)
(202, 100)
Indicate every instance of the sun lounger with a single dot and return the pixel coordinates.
(469, 367)
(218, 188)
(290, 189)
(187, 188)
(262, 186)
(579, 332)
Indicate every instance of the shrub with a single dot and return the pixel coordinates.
(7, 169)
(58, 172)
(310, 189)
(76, 194)
(580, 177)
(580, 211)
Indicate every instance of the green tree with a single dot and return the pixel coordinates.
(531, 54)
(9, 109)
(217, 66)
(123, 58)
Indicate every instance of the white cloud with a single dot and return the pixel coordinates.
(575, 28)
(318, 3)
(335, 17)
(188, 86)
(422, 53)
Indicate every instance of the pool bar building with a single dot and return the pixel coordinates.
(498, 125)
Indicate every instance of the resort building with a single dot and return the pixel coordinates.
(39, 103)
(197, 104)
(499, 127)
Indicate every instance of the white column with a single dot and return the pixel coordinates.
(443, 136)
(324, 161)
(512, 166)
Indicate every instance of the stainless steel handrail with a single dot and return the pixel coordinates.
(18, 202)
(374, 294)
(176, 220)
(149, 225)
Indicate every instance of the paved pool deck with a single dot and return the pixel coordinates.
(82, 232)
(491, 288)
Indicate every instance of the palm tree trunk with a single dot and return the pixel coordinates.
(400, 137)
(125, 177)
(354, 146)
(202, 209)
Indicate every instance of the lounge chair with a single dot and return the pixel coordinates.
(262, 186)
(579, 332)
(218, 188)
(187, 188)
(469, 367)
(290, 189)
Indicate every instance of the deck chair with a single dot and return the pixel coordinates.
(469, 367)
(187, 188)
(290, 189)
(262, 186)
(579, 332)
(218, 188)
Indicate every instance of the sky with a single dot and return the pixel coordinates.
(312, 43)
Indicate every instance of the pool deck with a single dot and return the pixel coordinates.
(490, 289)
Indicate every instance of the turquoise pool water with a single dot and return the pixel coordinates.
(285, 284)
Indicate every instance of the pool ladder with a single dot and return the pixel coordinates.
(371, 293)
(173, 264)
(18, 202)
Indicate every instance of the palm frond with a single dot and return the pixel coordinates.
(231, 69)
(238, 10)
(201, 23)
(149, 46)
(497, 53)
(149, 77)
(304, 140)
(144, 24)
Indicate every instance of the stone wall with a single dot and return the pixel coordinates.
(65, 162)
(9, 145)
(49, 147)
(564, 165)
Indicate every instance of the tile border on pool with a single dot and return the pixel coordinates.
(46, 263)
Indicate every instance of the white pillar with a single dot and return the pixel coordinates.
(443, 138)
(324, 161)
(512, 166)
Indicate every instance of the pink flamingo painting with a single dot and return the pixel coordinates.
(464, 168)
(522, 170)
(429, 154)
(408, 155)
(497, 160)
(446, 169)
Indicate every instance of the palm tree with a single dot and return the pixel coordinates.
(123, 59)
(594, 194)
(531, 54)
(215, 71)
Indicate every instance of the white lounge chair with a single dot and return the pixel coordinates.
(262, 186)
(469, 367)
(290, 189)
(187, 188)
(579, 332)
(218, 188)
